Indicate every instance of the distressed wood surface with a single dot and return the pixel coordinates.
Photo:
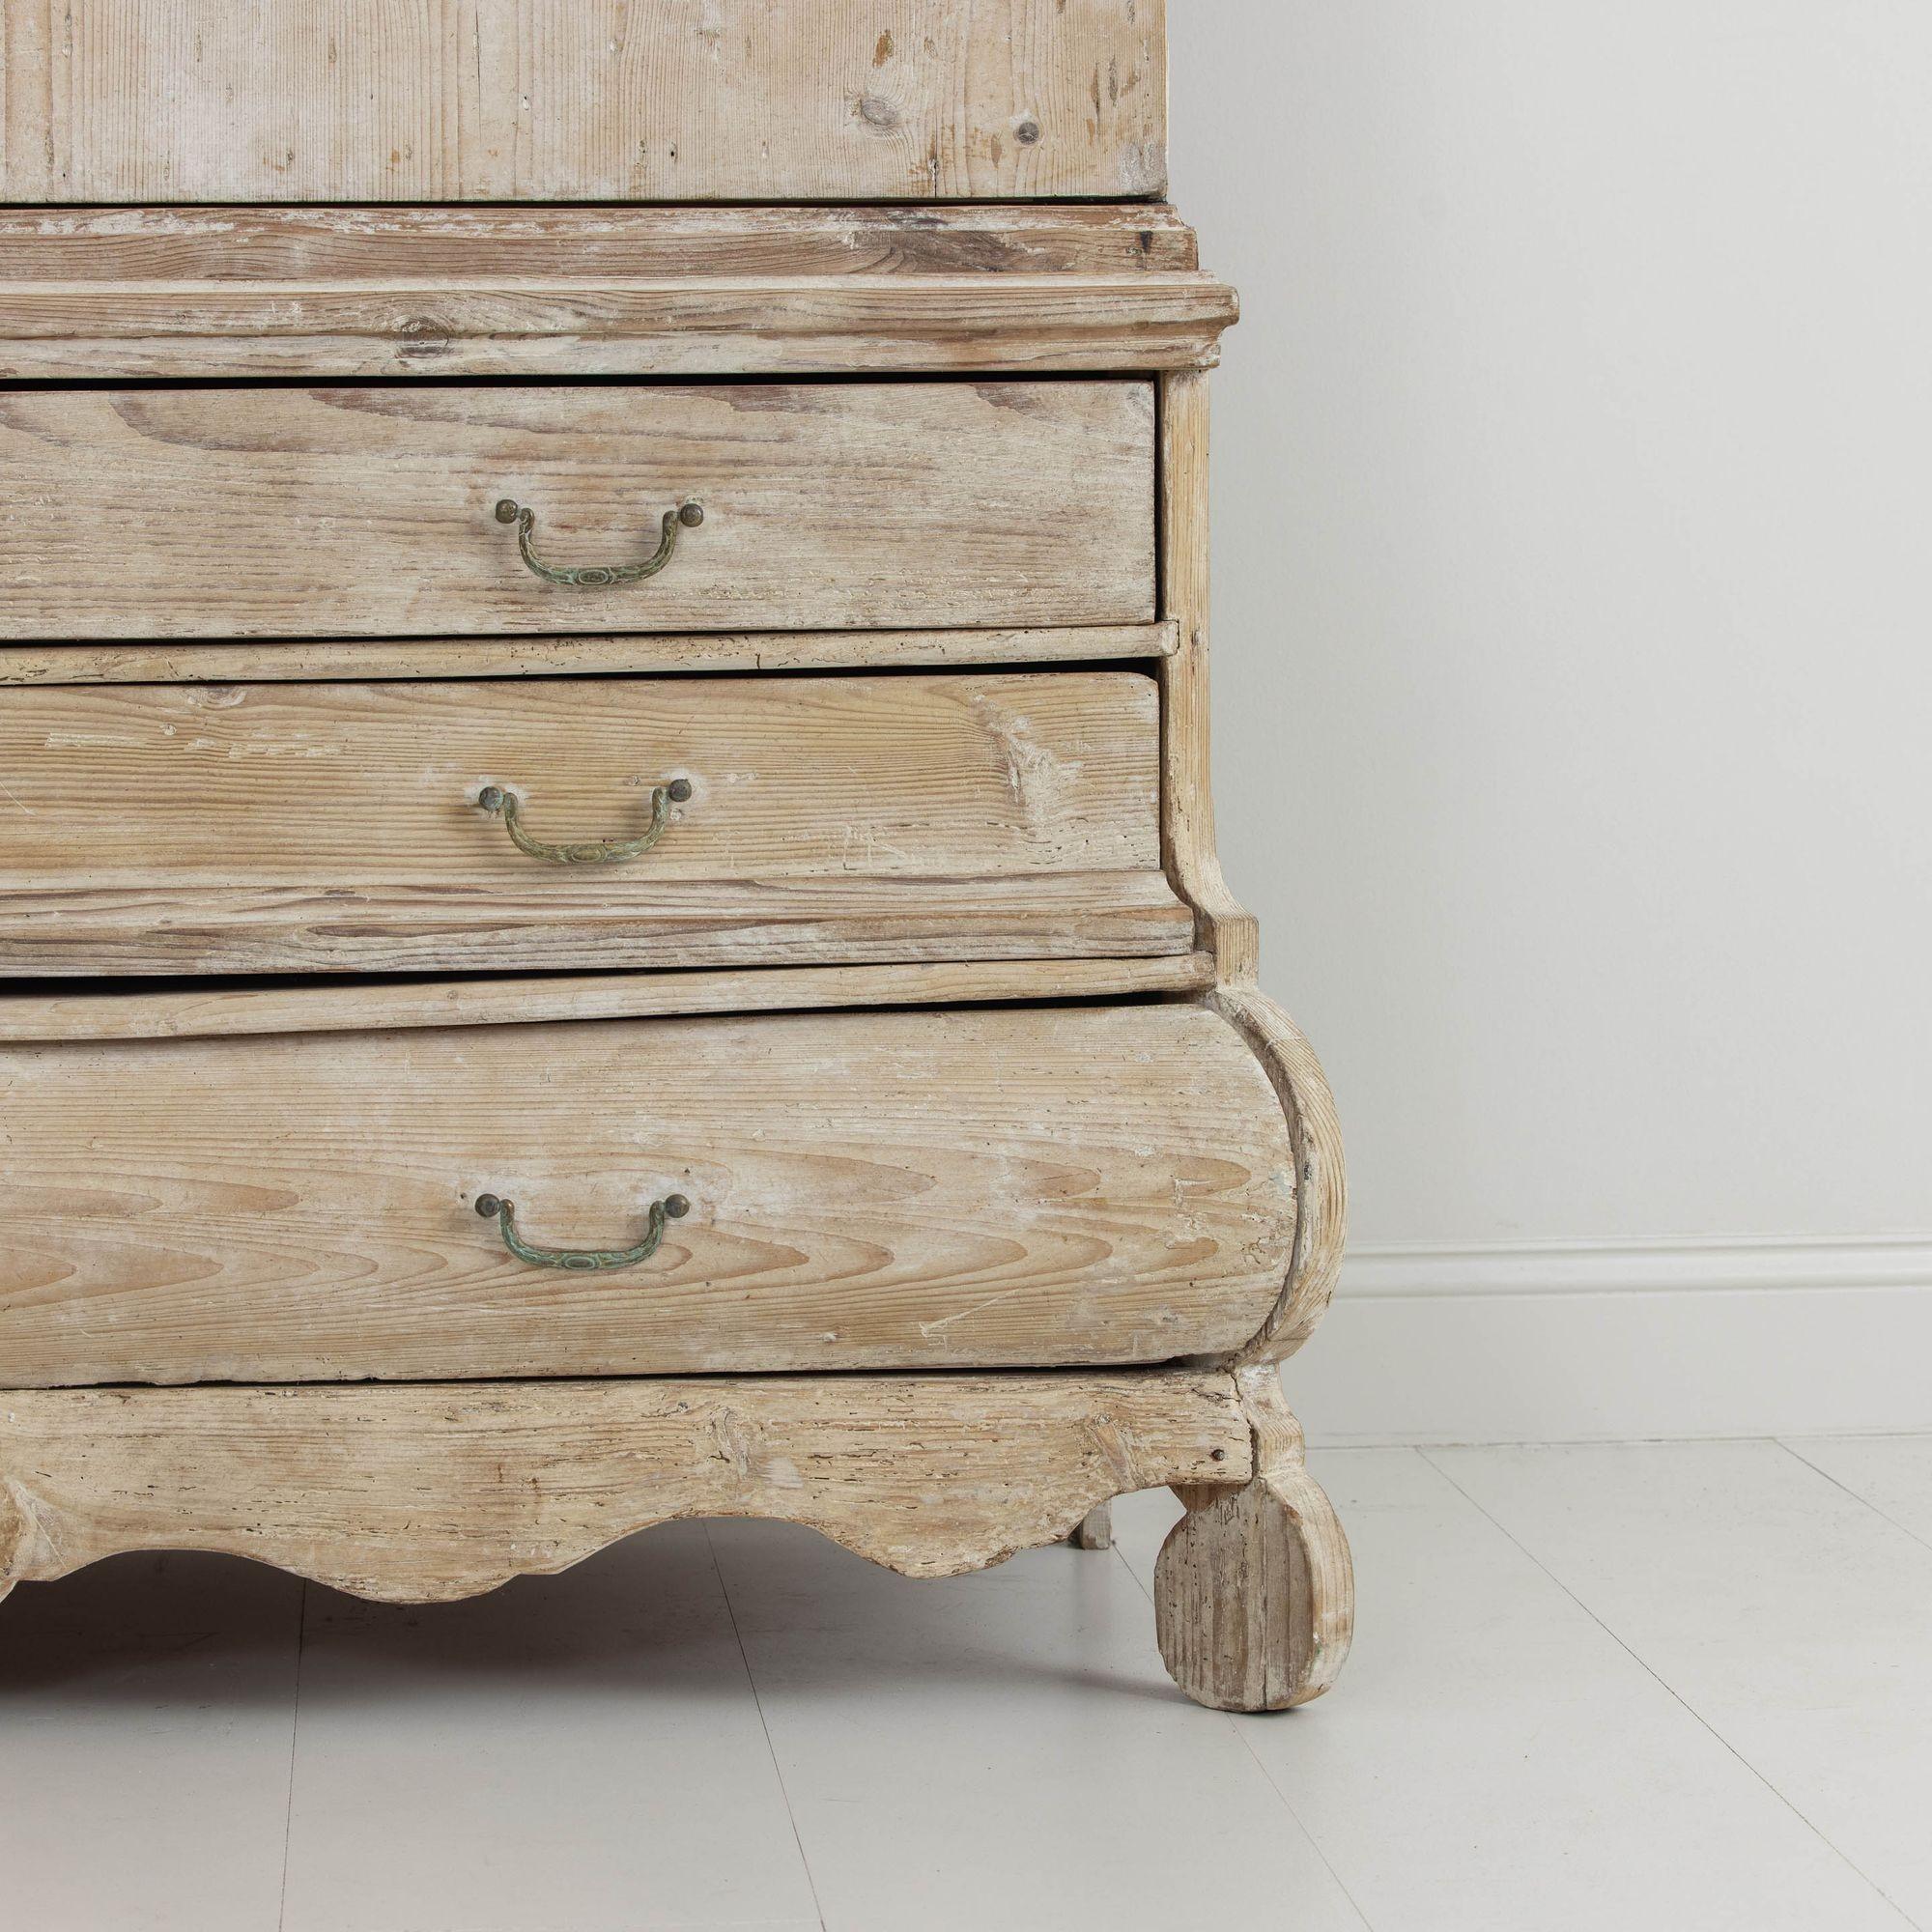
(220, 1012)
(137, 930)
(613, 326)
(1322, 1184)
(346, 245)
(192, 827)
(336, 513)
(550, 292)
(1032, 1187)
(275, 1182)
(426, 1494)
(379, 658)
(1254, 1590)
(1224, 926)
(194, 100)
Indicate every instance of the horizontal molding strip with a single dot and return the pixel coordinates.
(1830, 1338)
(566, 656)
(1751, 1265)
(355, 1006)
(614, 326)
(318, 243)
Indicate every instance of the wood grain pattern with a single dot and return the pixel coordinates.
(345, 245)
(138, 930)
(224, 1011)
(1322, 1184)
(379, 658)
(427, 1493)
(188, 101)
(1254, 1588)
(1033, 1186)
(369, 511)
(549, 329)
(282, 827)
(552, 293)
(275, 1182)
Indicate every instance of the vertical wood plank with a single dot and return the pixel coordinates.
(1187, 804)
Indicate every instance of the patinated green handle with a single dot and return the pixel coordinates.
(582, 1261)
(687, 516)
(593, 852)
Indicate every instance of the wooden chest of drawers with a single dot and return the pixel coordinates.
(607, 882)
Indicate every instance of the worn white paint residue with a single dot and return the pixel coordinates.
(1043, 783)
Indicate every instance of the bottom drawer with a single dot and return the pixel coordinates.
(1036, 1186)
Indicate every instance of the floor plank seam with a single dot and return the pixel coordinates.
(1235, 1724)
(1313, 1843)
(295, 1731)
(1885, 1516)
(1671, 1691)
(759, 1704)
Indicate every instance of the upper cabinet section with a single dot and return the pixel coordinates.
(674, 100)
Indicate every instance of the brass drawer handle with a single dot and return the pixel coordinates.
(582, 1261)
(687, 515)
(594, 852)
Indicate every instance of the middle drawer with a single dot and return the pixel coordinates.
(570, 823)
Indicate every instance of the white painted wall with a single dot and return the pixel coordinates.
(1573, 646)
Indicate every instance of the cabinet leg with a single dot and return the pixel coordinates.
(1253, 1591)
(1094, 1530)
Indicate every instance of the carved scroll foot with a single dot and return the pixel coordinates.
(1253, 1591)
(1094, 1530)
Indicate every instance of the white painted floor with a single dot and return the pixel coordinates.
(1631, 1687)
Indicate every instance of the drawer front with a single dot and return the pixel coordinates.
(358, 512)
(1033, 1186)
(638, 822)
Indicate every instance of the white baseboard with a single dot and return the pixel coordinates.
(1602, 1341)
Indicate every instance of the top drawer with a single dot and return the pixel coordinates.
(155, 100)
(379, 512)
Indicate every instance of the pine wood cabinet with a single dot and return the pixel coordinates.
(609, 895)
